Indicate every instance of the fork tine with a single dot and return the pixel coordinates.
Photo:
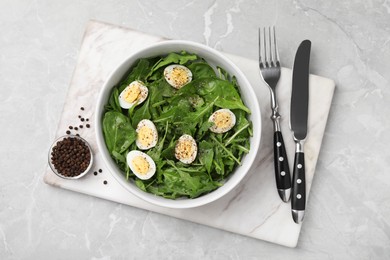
(260, 49)
(276, 47)
(265, 47)
(270, 47)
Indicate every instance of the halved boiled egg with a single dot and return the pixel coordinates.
(186, 149)
(147, 135)
(223, 120)
(177, 75)
(134, 94)
(141, 164)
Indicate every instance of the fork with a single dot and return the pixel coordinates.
(270, 72)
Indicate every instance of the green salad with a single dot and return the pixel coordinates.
(176, 126)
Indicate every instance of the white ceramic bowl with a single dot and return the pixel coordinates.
(214, 58)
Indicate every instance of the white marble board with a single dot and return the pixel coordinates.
(253, 209)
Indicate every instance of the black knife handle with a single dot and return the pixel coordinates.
(282, 170)
(298, 198)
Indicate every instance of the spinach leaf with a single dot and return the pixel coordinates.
(196, 101)
(176, 58)
(175, 111)
(228, 95)
(192, 186)
(201, 70)
(139, 72)
(113, 102)
(118, 132)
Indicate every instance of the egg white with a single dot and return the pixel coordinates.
(172, 80)
(217, 129)
(142, 96)
(152, 166)
(149, 124)
(179, 154)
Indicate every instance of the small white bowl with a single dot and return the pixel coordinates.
(52, 166)
(214, 58)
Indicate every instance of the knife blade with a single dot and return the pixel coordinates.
(298, 124)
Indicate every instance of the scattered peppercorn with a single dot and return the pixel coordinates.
(70, 157)
(100, 170)
(95, 173)
(78, 135)
(82, 108)
(70, 127)
(88, 125)
(76, 128)
(105, 182)
(82, 119)
(68, 132)
(81, 126)
(87, 119)
(79, 116)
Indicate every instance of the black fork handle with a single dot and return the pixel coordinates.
(282, 171)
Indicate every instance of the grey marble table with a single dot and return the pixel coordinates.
(350, 199)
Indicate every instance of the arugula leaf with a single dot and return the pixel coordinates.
(155, 152)
(197, 115)
(225, 149)
(169, 151)
(140, 184)
(206, 155)
(203, 129)
(141, 113)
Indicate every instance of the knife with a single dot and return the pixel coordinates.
(298, 124)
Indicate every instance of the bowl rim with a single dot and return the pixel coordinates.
(233, 180)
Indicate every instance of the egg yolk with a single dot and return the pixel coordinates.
(222, 120)
(145, 136)
(184, 149)
(179, 76)
(132, 93)
(140, 164)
